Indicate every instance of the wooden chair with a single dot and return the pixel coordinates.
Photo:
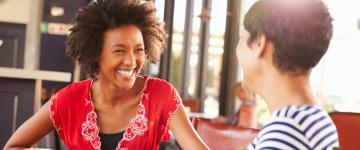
(348, 127)
(224, 137)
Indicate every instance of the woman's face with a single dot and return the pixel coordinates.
(248, 61)
(122, 56)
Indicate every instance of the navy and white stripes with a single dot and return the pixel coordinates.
(297, 127)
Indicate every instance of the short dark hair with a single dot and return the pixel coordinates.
(90, 23)
(300, 31)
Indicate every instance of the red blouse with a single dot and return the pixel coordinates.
(72, 113)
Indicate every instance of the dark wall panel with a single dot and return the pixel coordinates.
(52, 56)
(12, 43)
(16, 105)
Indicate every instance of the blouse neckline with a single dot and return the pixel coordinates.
(140, 111)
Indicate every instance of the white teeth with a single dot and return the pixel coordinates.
(126, 73)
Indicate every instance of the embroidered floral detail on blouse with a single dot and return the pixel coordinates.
(87, 101)
(52, 113)
(141, 109)
(172, 112)
(138, 126)
(146, 96)
(178, 102)
(177, 98)
(90, 130)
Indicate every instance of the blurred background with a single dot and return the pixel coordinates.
(199, 61)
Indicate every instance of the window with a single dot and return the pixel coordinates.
(215, 57)
(186, 54)
(336, 79)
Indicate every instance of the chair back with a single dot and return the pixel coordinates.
(193, 104)
(220, 137)
(348, 127)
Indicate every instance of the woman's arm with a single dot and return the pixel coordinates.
(32, 130)
(184, 132)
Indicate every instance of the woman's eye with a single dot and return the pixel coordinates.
(140, 49)
(119, 51)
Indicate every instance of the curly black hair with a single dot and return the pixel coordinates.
(90, 23)
(299, 29)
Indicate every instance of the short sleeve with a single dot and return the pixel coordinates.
(55, 103)
(172, 104)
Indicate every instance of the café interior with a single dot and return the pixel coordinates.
(199, 62)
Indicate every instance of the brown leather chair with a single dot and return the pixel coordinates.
(348, 127)
(224, 137)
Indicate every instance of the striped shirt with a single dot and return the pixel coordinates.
(297, 127)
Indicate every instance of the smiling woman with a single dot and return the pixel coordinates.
(84, 44)
(117, 108)
(122, 56)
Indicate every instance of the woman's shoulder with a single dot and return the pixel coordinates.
(161, 88)
(154, 81)
(73, 93)
(75, 88)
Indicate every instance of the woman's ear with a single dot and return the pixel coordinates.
(260, 45)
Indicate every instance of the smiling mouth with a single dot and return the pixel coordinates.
(127, 73)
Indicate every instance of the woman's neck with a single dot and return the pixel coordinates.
(108, 93)
(285, 90)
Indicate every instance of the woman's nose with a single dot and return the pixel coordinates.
(130, 59)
